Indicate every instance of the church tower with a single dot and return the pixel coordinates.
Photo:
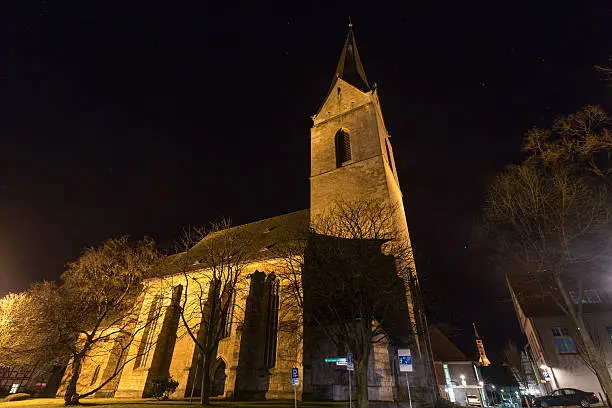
(352, 157)
(351, 153)
(352, 160)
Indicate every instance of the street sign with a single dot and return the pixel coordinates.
(405, 360)
(335, 359)
(349, 362)
(295, 376)
(295, 381)
(341, 363)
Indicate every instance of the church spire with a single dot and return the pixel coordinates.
(349, 66)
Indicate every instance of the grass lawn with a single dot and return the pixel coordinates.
(142, 403)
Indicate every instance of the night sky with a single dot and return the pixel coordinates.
(129, 117)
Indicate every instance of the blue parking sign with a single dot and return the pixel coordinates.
(405, 360)
(295, 377)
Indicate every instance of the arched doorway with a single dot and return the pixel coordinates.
(218, 387)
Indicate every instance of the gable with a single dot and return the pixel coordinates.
(350, 97)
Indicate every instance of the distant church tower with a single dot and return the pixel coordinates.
(483, 360)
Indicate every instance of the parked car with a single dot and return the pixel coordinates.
(473, 401)
(565, 397)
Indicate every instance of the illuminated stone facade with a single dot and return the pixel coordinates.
(351, 159)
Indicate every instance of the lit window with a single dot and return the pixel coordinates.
(588, 296)
(563, 341)
(343, 148)
(14, 388)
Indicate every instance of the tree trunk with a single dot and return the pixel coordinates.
(206, 384)
(71, 397)
(598, 364)
(361, 383)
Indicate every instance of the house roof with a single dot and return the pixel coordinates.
(443, 349)
(535, 296)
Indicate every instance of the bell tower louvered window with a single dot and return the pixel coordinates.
(343, 148)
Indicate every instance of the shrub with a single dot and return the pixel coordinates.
(163, 386)
(18, 397)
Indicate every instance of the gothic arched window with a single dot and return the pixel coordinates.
(272, 300)
(343, 147)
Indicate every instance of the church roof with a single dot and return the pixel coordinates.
(261, 239)
(349, 66)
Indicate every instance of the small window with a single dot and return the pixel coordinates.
(388, 154)
(94, 378)
(343, 148)
(609, 331)
(563, 341)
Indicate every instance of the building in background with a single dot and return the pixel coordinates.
(30, 380)
(457, 376)
(551, 336)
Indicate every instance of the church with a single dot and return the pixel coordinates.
(351, 160)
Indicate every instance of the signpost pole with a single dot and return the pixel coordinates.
(350, 367)
(295, 381)
(405, 361)
(350, 396)
(408, 383)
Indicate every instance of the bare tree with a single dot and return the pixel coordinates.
(348, 277)
(513, 359)
(583, 138)
(94, 311)
(24, 342)
(214, 265)
(550, 218)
